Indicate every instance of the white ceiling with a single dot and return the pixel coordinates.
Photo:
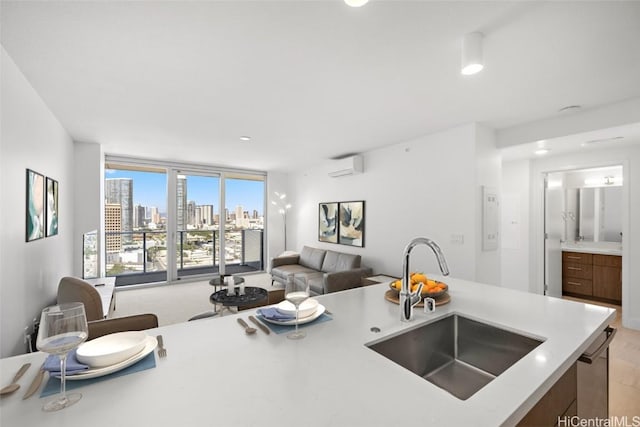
(310, 80)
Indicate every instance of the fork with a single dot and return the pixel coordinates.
(162, 352)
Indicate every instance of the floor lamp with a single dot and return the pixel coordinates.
(283, 207)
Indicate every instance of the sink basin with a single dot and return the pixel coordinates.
(455, 353)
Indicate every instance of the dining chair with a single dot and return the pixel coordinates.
(72, 289)
(137, 322)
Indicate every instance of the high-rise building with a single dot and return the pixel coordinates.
(207, 214)
(155, 215)
(242, 217)
(255, 214)
(181, 201)
(139, 216)
(191, 213)
(120, 191)
(113, 227)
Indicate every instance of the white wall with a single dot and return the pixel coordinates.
(425, 187)
(515, 225)
(29, 272)
(630, 159)
(89, 193)
(489, 174)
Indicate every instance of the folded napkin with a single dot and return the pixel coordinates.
(272, 313)
(52, 364)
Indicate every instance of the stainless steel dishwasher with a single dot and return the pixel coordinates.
(593, 378)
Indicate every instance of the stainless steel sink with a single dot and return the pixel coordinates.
(457, 354)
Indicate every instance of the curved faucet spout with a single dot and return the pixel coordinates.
(407, 298)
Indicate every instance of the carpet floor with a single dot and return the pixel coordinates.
(176, 303)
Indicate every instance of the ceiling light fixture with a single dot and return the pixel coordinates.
(542, 151)
(472, 54)
(245, 138)
(356, 3)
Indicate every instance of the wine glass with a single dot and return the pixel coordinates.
(297, 297)
(62, 328)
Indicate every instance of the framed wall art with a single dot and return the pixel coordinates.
(51, 228)
(351, 227)
(328, 222)
(35, 213)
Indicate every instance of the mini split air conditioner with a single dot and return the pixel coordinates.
(347, 166)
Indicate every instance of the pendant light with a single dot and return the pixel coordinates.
(472, 54)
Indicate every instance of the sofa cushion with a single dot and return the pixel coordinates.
(286, 272)
(312, 257)
(337, 261)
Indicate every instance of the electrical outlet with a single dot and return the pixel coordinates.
(457, 239)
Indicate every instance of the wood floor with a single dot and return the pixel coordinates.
(624, 368)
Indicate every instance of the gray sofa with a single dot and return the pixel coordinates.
(323, 270)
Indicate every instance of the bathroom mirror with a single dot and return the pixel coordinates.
(599, 213)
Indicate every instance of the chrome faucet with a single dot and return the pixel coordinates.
(407, 298)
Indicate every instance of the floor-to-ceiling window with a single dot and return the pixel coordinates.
(244, 229)
(165, 222)
(197, 223)
(135, 223)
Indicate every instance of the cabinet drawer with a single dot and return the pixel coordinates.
(576, 257)
(607, 260)
(580, 271)
(577, 286)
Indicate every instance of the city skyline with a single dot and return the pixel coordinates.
(149, 190)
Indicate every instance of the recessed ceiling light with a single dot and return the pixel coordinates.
(541, 143)
(356, 3)
(245, 138)
(542, 151)
(569, 108)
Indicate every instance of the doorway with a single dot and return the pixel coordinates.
(583, 210)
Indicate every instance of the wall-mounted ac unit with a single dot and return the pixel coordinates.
(347, 166)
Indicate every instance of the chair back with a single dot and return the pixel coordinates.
(72, 289)
(138, 322)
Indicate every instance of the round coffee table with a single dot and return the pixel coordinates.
(252, 295)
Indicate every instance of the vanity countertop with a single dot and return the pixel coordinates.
(602, 248)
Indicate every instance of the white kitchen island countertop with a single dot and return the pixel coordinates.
(215, 375)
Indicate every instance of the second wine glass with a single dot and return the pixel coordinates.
(297, 297)
(62, 328)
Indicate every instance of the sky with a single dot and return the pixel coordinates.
(150, 189)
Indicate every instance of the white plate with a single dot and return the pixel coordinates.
(111, 349)
(302, 320)
(307, 308)
(150, 344)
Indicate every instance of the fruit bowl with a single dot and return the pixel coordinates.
(431, 289)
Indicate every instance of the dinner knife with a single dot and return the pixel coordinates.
(35, 384)
(260, 325)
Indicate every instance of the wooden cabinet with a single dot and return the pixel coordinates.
(607, 277)
(560, 402)
(577, 273)
(592, 275)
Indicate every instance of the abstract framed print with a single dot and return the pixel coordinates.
(351, 228)
(328, 222)
(35, 212)
(51, 225)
